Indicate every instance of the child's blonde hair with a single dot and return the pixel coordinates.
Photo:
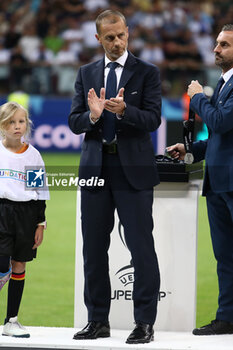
(7, 110)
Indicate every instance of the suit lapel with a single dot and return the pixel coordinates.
(128, 70)
(226, 89)
(98, 76)
(224, 92)
(98, 73)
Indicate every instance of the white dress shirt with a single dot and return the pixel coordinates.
(226, 76)
(121, 61)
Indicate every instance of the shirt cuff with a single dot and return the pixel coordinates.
(44, 223)
(91, 121)
(121, 116)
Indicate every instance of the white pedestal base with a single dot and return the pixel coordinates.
(61, 338)
(175, 213)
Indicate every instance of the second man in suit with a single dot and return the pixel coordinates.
(117, 103)
(217, 151)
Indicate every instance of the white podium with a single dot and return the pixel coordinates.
(175, 213)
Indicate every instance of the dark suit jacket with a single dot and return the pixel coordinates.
(143, 98)
(218, 149)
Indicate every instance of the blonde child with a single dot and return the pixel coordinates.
(22, 210)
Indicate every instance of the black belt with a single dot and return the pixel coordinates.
(110, 149)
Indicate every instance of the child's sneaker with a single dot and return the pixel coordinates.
(4, 277)
(14, 329)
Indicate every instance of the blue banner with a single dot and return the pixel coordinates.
(50, 123)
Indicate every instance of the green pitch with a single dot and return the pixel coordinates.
(48, 298)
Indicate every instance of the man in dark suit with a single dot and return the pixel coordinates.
(217, 151)
(118, 148)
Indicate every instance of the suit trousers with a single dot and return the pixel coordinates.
(134, 208)
(220, 212)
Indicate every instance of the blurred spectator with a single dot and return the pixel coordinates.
(153, 18)
(199, 20)
(205, 44)
(173, 12)
(189, 55)
(15, 6)
(66, 69)
(4, 67)
(42, 23)
(21, 13)
(35, 5)
(88, 32)
(42, 72)
(120, 4)
(19, 70)
(69, 8)
(4, 24)
(30, 42)
(65, 56)
(93, 5)
(98, 55)
(171, 54)
(42, 56)
(86, 55)
(136, 41)
(73, 35)
(12, 37)
(5, 54)
(52, 40)
(143, 5)
(152, 52)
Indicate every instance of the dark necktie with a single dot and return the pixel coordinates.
(217, 89)
(109, 118)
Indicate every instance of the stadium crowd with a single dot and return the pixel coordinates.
(42, 42)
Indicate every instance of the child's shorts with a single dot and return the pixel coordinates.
(18, 223)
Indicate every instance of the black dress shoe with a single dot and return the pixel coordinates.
(94, 330)
(215, 327)
(142, 333)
